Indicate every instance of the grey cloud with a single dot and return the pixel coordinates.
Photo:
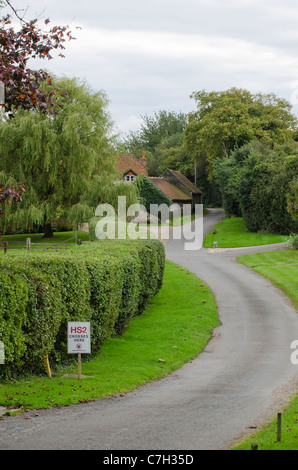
(245, 43)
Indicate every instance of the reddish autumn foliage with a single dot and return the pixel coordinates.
(22, 84)
(9, 194)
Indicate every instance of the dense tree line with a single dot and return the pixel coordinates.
(239, 148)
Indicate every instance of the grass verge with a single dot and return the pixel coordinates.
(280, 267)
(232, 233)
(173, 330)
(266, 438)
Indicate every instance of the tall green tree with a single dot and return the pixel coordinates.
(22, 84)
(292, 199)
(154, 129)
(229, 119)
(161, 136)
(65, 160)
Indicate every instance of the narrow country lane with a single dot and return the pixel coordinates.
(244, 373)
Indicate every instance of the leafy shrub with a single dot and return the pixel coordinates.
(149, 193)
(258, 183)
(293, 243)
(106, 283)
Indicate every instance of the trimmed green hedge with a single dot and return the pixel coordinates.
(106, 283)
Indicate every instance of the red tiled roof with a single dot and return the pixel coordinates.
(171, 191)
(130, 162)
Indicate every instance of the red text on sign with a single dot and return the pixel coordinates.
(78, 329)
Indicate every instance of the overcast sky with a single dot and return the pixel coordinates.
(151, 55)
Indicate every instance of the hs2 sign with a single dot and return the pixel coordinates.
(79, 338)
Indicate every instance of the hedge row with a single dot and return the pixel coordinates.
(106, 283)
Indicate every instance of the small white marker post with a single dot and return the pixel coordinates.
(2, 353)
(79, 341)
(2, 94)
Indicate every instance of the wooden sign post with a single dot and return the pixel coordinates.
(47, 367)
(279, 427)
(79, 366)
(79, 341)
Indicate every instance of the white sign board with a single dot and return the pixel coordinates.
(2, 93)
(79, 338)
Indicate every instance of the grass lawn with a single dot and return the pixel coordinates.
(281, 267)
(179, 220)
(173, 330)
(59, 237)
(232, 233)
(183, 220)
(18, 242)
(267, 437)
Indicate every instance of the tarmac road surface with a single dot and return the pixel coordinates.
(243, 376)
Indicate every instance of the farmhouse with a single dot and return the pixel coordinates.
(172, 183)
(130, 167)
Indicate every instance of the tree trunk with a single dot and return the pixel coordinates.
(48, 231)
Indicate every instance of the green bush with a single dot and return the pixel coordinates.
(258, 183)
(293, 243)
(106, 283)
(149, 193)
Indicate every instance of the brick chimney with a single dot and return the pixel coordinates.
(143, 159)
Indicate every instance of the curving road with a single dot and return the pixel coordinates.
(244, 373)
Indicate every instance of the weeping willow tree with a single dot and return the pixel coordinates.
(65, 160)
